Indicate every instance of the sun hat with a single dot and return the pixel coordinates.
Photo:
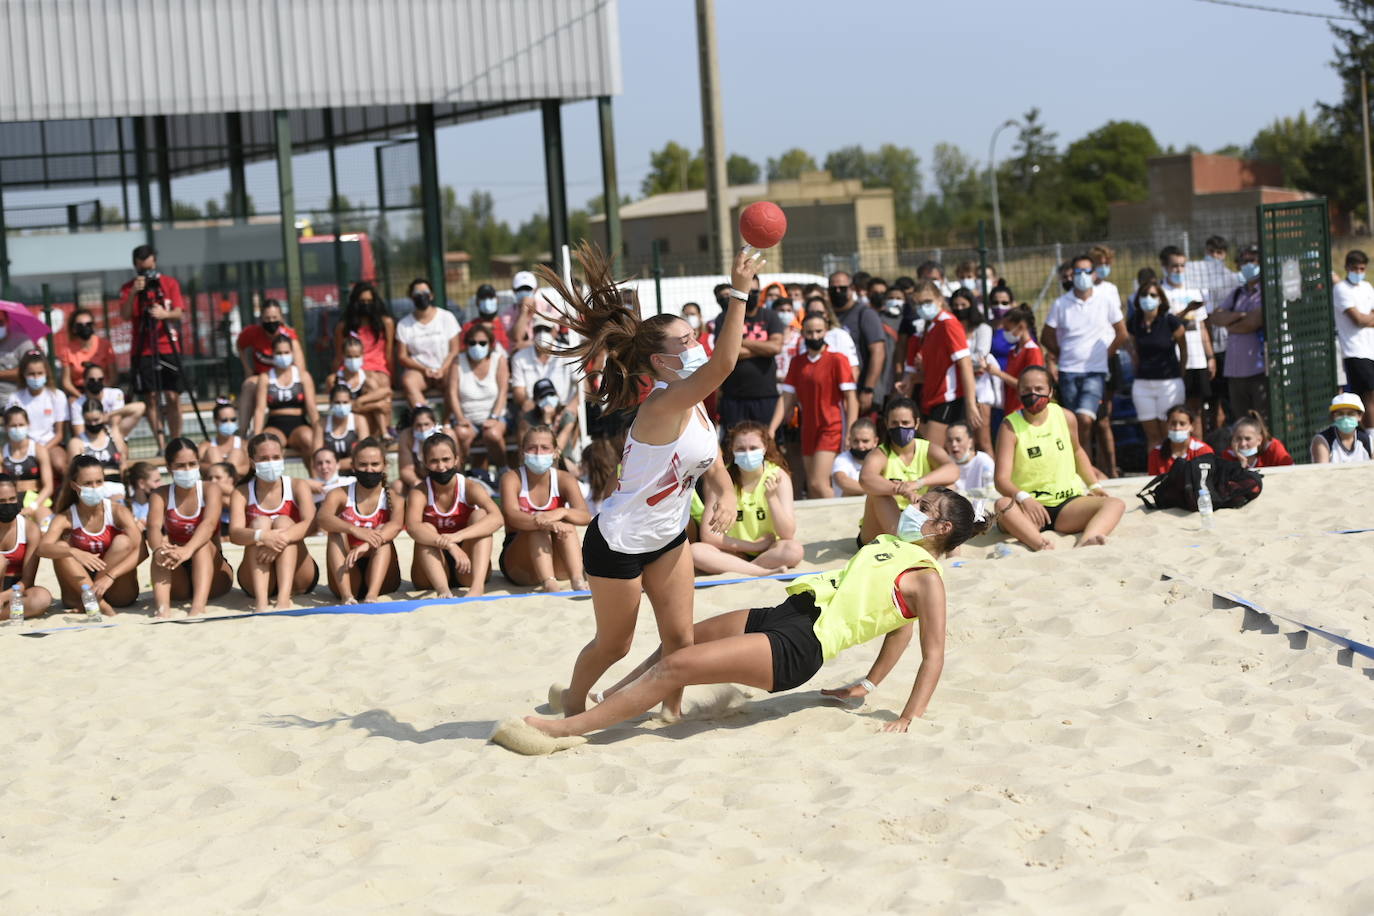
(1347, 401)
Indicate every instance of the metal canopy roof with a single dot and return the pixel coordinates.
(75, 68)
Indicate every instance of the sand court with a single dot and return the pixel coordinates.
(1103, 738)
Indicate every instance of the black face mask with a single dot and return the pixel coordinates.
(860, 453)
(422, 301)
(1067, 284)
(751, 304)
(1033, 402)
(839, 297)
(814, 344)
(271, 327)
(901, 436)
(723, 300)
(8, 512)
(370, 479)
(442, 477)
(83, 330)
(95, 385)
(95, 429)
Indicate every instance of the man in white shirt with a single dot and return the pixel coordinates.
(426, 346)
(1103, 258)
(1083, 329)
(1189, 304)
(1353, 298)
(531, 364)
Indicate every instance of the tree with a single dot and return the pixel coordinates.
(741, 170)
(182, 211)
(892, 166)
(848, 162)
(1288, 143)
(1105, 166)
(1334, 161)
(790, 165)
(674, 168)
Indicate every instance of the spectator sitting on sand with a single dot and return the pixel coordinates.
(863, 438)
(1178, 444)
(1253, 447)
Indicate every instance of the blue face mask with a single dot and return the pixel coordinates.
(1247, 452)
(1104, 271)
(186, 478)
(928, 310)
(1149, 303)
(228, 427)
(1249, 271)
(749, 460)
(910, 523)
(1083, 280)
(340, 410)
(18, 433)
(486, 306)
(269, 471)
(478, 352)
(35, 382)
(693, 358)
(539, 464)
(1347, 425)
(353, 363)
(1180, 435)
(1356, 277)
(92, 496)
(1175, 278)
(549, 401)
(282, 360)
(901, 436)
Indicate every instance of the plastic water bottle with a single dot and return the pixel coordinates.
(1001, 551)
(16, 604)
(89, 602)
(1204, 503)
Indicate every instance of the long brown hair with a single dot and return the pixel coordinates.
(771, 453)
(601, 461)
(607, 326)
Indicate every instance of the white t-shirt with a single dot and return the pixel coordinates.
(111, 399)
(1083, 328)
(977, 474)
(1215, 280)
(846, 464)
(1179, 297)
(526, 369)
(1356, 342)
(46, 409)
(428, 342)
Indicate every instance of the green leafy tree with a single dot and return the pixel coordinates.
(790, 165)
(848, 162)
(1105, 166)
(1288, 143)
(741, 170)
(674, 168)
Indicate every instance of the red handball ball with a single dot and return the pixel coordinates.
(762, 224)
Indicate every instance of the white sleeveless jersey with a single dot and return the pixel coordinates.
(653, 498)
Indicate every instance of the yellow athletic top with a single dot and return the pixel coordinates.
(752, 516)
(896, 469)
(1044, 464)
(859, 602)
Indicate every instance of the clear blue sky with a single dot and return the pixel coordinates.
(821, 74)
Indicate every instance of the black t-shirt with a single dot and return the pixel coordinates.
(753, 376)
(865, 326)
(1158, 354)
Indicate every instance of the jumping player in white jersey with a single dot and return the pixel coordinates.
(637, 545)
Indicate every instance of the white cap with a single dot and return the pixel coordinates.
(524, 278)
(1347, 401)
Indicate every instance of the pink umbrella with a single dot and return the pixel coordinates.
(23, 320)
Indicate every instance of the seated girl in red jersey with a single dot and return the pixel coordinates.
(1253, 447)
(19, 557)
(823, 383)
(362, 524)
(183, 533)
(93, 541)
(1017, 327)
(443, 514)
(269, 515)
(543, 507)
(1179, 442)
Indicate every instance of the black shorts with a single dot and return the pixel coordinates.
(790, 628)
(285, 423)
(598, 559)
(1359, 375)
(947, 413)
(737, 410)
(157, 373)
(1197, 384)
(1054, 512)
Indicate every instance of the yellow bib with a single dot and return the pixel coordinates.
(1044, 464)
(752, 517)
(895, 469)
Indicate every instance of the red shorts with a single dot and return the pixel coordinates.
(823, 439)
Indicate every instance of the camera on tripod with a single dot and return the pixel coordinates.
(151, 276)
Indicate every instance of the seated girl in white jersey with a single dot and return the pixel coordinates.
(371, 398)
(227, 445)
(286, 399)
(269, 515)
(1041, 467)
(452, 519)
(637, 544)
(93, 540)
(543, 508)
(863, 438)
(19, 542)
(763, 539)
(900, 469)
(340, 429)
(183, 535)
(102, 441)
(885, 586)
(362, 526)
(975, 467)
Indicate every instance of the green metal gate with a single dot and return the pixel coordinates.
(1299, 329)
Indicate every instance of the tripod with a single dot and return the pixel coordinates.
(152, 294)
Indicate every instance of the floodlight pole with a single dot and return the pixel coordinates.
(992, 178)
(713, 137)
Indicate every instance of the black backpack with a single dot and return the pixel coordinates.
(1231, 485)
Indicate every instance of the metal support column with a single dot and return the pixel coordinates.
(145, 191)
(123, 171)
(337, 228)
(164, 167)
(238, 185)
(610, 184)
(290, 242)
(554, 181)
(431, 202)
(713, 138)
(4, 248)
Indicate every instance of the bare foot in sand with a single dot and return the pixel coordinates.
(284, 605)
(549, 585)
(349, 601)
(1045, 544)
(579, 585)
(1097, 540)
(163, 613)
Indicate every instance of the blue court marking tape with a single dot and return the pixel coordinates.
(396, 607)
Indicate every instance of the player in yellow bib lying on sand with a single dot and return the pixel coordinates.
(885, 586)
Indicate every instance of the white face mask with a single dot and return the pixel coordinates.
(693, 321)
(269, 471)
(910, 523)
(693, 358)
(185, 477)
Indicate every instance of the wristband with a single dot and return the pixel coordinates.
(257, 535)
(868, 685)
(1097, 486)
(736, 294)
(1022, 496)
